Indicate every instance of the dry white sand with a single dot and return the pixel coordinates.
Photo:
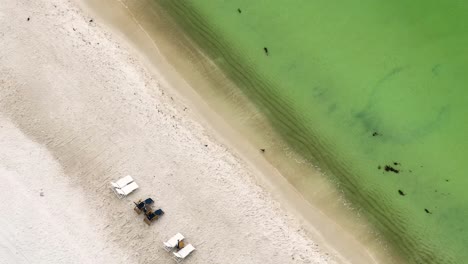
(77, 110)
(44, 219)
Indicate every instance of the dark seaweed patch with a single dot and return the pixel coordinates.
(390, 168)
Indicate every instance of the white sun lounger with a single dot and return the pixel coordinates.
(172, 242)
(180, 255)
(122, 192)
(122, 182)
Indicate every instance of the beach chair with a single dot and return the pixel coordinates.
(142, 206)
(180, 255)
(126, 190)
(122, 182)
(152, 216)
(173, 242)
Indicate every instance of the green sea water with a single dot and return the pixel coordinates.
(374, 92)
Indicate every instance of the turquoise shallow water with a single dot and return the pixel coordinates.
(374, 92)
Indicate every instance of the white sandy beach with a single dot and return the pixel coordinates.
(77, 110)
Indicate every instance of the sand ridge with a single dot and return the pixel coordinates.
(69, 86)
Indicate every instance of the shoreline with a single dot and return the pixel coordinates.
(99, 113)
(342, 125)
(99, 121)
(276, 183)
